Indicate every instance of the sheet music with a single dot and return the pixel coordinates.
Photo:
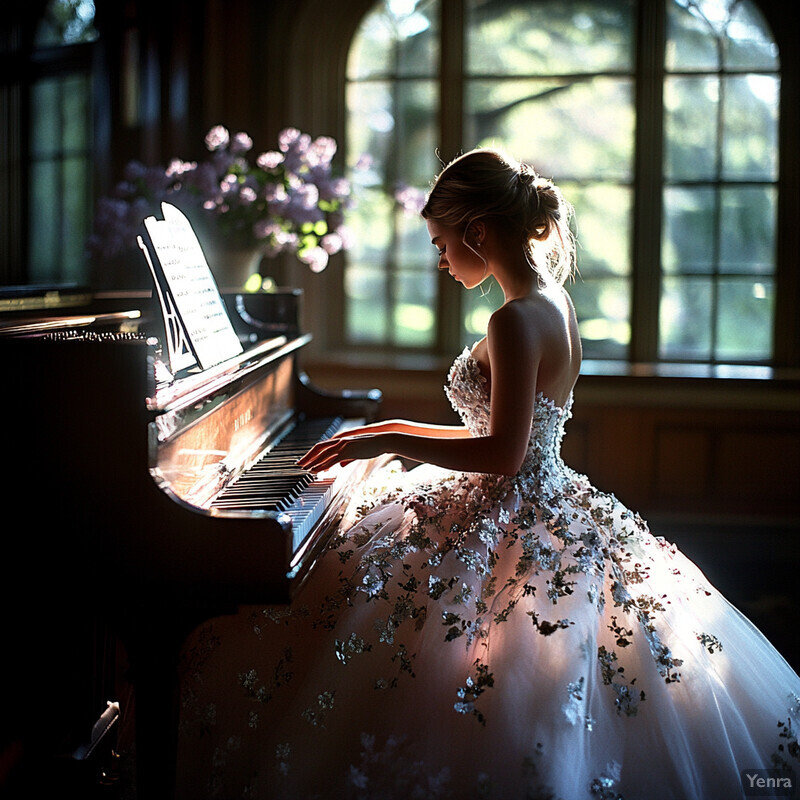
(192, 288)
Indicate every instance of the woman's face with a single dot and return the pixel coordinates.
(459, 259)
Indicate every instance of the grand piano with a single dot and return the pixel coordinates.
(142, 505)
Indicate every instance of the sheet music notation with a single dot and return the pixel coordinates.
(198, 329)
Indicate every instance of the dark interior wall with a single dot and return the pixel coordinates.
(248, 64)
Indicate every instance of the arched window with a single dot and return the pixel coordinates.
(658, 118)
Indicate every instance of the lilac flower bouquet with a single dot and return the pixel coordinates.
(284, 200)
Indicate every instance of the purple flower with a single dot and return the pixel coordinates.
(295, 145)
(289, 138)
(346, 235)
(302, 206)
(333, 188)
(217, 137)
(134, 171)
(321, 151)
(315, 257)
(202, 181)
(177, 168)
(228, 184)
(223, 160)
(410, 198)
(270, 160)
(265, 228)
(247, 195)
(331, 242)
(283, 200)
(241, 143)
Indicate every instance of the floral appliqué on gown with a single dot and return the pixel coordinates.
(470, 635)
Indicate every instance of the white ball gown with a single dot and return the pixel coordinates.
(470, 635)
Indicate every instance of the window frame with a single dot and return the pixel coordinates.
(648, 184)
(27, 63)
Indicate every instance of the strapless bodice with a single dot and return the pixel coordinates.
(467, 391)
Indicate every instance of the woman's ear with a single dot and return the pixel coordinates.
(475, 234)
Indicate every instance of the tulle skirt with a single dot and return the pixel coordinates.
(475, 637)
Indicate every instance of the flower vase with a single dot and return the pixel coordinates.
(231, 267)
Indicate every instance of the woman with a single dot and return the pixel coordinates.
(488, 624)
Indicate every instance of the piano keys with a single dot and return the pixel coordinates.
(162, 503)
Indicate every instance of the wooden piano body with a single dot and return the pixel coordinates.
(111, 482)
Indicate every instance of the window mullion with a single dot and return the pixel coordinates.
(648, 180)
(451, 127)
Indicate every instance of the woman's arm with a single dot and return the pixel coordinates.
(514, 359)
(406, 426)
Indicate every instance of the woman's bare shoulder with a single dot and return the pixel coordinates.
(534, 313)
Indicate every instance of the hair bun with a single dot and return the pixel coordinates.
(488, 184)
(542, 202)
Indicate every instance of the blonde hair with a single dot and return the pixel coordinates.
(487, 184)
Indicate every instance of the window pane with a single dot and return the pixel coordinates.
(397, 38)
(745, 319)
(395, 128)
(552, 81)
(603, 308)
(367, 314)
(413, 312)
(747, 242)
(688, 236)
(479, 305)
(60, 179)
(750, 43)
(685, 319)
(603, 213)
(392, 134)
(690, 128)
(371, 121)
(45, 137)
(414, 282)
(75, 219)
(692, 43)
(530, 119)
(750, 143)
(708, 34)
(720, 129)
(75, 113)
(43, 219)
(553, 37)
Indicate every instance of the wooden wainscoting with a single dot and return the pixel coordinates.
(691, 448)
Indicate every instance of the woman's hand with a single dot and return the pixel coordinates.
(344, 448)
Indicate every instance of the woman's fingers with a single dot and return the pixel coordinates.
(322, 455)
(335, 450)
